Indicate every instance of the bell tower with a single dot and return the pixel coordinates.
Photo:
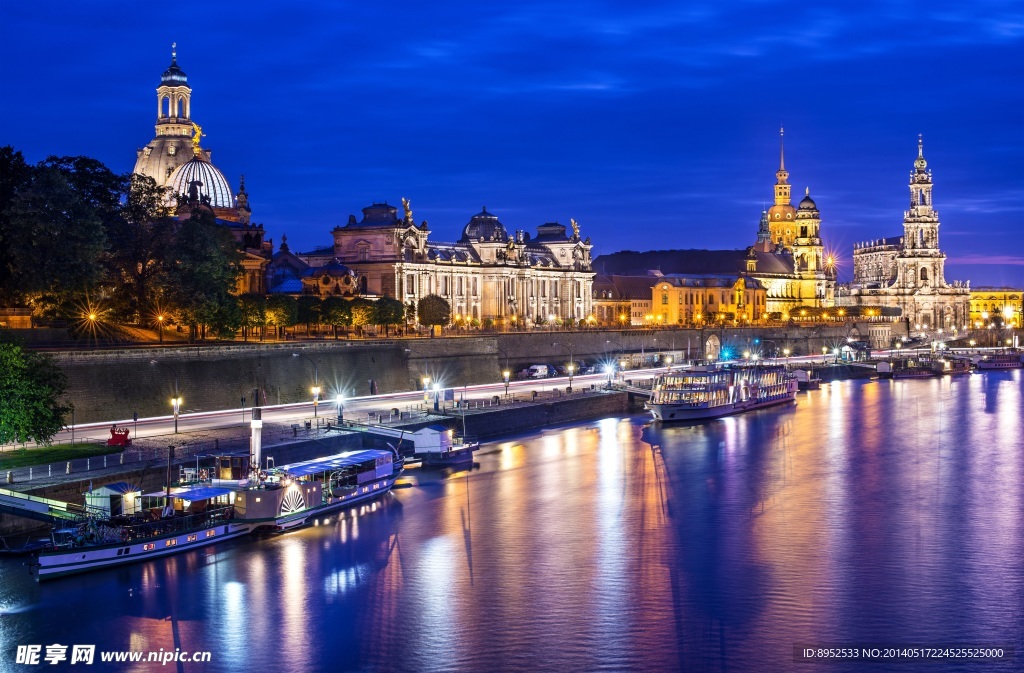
(782, 215)
(920, 262)
(174, 100)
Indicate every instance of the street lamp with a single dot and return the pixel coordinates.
(176, 400)
(341, 408)
(785, 351)
(437, 392)
(572, 364)
(505, 374)
(316, 380)
(426, 389)
(160, 326)
(824, 354)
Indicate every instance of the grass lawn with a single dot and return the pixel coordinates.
(52, 454)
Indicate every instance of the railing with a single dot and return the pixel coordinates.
(93, 532)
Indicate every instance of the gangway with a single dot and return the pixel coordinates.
(39, 509)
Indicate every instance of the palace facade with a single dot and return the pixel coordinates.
(908, 272)
(487, 274)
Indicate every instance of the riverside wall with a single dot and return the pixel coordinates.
(113, 384)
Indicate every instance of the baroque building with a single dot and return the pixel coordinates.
(487, 274)
(907, 272)
(175, 159)
(1000, 304)
(787, 262)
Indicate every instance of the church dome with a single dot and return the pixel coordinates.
(174, 76)
(807, 203)
(486, 226)
(213, 183)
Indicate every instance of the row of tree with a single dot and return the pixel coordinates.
(75, 236)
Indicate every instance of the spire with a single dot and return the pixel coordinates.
(782, 150)
(174, 52)
(782, 174)
(807, 191)
(920, 164)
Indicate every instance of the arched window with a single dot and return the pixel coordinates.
(924, 274)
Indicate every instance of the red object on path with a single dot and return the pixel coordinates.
(119, 437)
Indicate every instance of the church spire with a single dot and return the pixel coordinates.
(782, 150)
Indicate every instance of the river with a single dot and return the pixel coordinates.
(870, 513)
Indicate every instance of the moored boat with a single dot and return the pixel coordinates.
(197, 513)
(1007, 360)
(714, 390)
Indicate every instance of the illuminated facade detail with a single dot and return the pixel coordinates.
(680, 300)
(907, 272)
(488, 274)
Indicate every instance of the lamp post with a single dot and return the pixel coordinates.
(316, 380)
(572, 363)
(160, 326)
(426, 389)
(176, 400)
(505, 374)
(785, 352)
(824, 354)
(341, 407)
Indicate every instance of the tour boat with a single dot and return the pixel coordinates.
(1008, 360)
(714, 390)
(199, 513)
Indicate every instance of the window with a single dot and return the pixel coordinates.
(664, 298)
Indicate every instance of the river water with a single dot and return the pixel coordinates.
(868, 514)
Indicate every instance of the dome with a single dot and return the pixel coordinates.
(486, 226)
(174, 76)
(807, 203)
(334, 269)
(213, 183)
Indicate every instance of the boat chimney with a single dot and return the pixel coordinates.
(256, 441)
(170, 461)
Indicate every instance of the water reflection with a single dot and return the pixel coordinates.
(869, 512)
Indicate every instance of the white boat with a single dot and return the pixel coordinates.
(1007, 360)
(713, 391)
(204, 512)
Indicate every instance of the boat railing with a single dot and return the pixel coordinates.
(109, 531)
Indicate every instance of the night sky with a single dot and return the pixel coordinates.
(654, 124)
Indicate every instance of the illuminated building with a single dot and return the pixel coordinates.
(907, 272)
(1003, 304)
(787, 262)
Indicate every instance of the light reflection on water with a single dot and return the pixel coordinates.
(869, 513)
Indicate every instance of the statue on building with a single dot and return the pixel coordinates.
(193, 190)
(407, 207)
(575, 229)
(198, 133)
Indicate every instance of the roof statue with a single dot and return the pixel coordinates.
(407, 207)
(575, 228)
(196, 136)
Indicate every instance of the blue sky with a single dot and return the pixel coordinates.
(654, 124)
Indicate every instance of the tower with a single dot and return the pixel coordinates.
(782, 215)
(920, 262)
(807, 247)
(172, 145)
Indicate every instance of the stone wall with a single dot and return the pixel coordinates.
(112, 384)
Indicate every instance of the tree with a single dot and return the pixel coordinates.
(15, 176)
(337, 312)
(203, 267)
(434, 310)
(253, 311)
(388, 311)
(140, 237)
(31, 385)
(310, 310)
(53, 239)
(282, 311)
(362, 313)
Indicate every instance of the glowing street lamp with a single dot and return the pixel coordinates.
(160, 326)
(176, 400)
(505, 375)
(824, 354)
(341, 407)
(426, 389)
(316, 380)
(572, 368)
(785, 351)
